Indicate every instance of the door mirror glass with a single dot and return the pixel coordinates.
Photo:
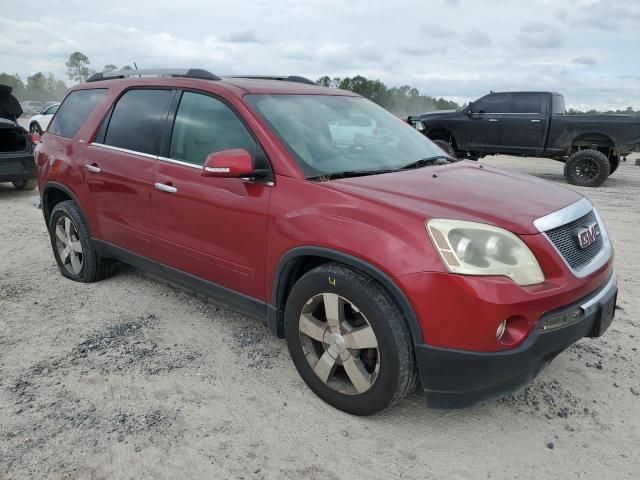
(233, 163)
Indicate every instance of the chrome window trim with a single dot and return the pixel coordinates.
(567, 215)
(507, 113)
(180, 162)
(563, 216)
(124, 150)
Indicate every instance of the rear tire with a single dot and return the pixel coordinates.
(587, 168)
(325, 352)
(35, 128)
(73, 249)
(25, 184)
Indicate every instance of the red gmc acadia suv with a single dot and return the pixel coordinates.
(382, 262)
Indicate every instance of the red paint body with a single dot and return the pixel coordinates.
(235, 233)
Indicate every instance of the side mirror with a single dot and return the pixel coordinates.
(469, 111)
(233, 163)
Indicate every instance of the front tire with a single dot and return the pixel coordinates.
(587, 168)
(25, 184)
(35, 128)
(73, 249)
(349, 340)
(446, 147)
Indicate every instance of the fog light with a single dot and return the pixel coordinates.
(501, 329)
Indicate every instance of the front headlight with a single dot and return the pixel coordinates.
(471, 248)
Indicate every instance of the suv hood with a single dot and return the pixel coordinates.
(464, 191)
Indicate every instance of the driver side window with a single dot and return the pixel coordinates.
(205, 125)
(496, 103)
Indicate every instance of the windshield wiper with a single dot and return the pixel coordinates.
(349, 174)
(435, 160)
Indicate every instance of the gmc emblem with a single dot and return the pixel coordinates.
(587, 235)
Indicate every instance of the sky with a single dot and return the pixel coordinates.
(589, 50)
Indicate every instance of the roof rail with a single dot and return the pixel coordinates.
(158, 72)
(284, 78)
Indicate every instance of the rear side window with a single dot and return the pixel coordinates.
(491, 104)
(206, 125)
(138, 119)
(75, 110)
(558, 105)
(527, 103)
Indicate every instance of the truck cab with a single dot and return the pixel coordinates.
(535, 124)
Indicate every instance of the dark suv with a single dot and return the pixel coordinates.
(382, 262)
(16, 150)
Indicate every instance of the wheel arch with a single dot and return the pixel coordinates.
(54, 193)
(440, 132)
(589, 139)
(298, 261)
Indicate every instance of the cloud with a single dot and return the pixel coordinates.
(537, 34)
(455, 53)
(607, 15)
(437, 31)
(245, 36)
(584, 60)
(477, 38)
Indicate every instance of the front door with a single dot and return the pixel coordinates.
(213, 228)
(485, 123)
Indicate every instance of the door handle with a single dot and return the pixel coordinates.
(163, 187)
(534, 120)
(493, 119)
(93, 168)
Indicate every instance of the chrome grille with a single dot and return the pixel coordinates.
(564, 239)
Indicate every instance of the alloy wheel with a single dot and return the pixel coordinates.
(587, 168)
(68, 245)
(339, 343)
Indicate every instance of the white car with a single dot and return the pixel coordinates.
(39, 123)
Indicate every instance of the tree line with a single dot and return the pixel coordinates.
(45, 87)
(402, 101)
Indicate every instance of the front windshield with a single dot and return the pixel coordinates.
(336, 134)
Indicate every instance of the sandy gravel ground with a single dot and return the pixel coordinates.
(131, 378)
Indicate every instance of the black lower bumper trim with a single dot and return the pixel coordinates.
(17, 167)
(457, 378)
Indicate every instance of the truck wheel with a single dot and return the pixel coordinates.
(587, 168)
(445, 147)
(614, 161)
(25, 184)
(349, 340)
(73, 249)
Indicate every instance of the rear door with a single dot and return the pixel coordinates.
(120, 165)
(524, 127)
(214, 228)
(486, 116)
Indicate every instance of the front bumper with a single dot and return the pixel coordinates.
(458, 378)
(17, 167)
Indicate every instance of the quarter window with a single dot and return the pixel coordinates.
(75, 109)
(138, 119)
(205, 125)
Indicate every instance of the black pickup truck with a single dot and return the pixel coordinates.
(535, 124)
(16, 149)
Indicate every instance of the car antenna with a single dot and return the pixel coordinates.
(136, 67)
